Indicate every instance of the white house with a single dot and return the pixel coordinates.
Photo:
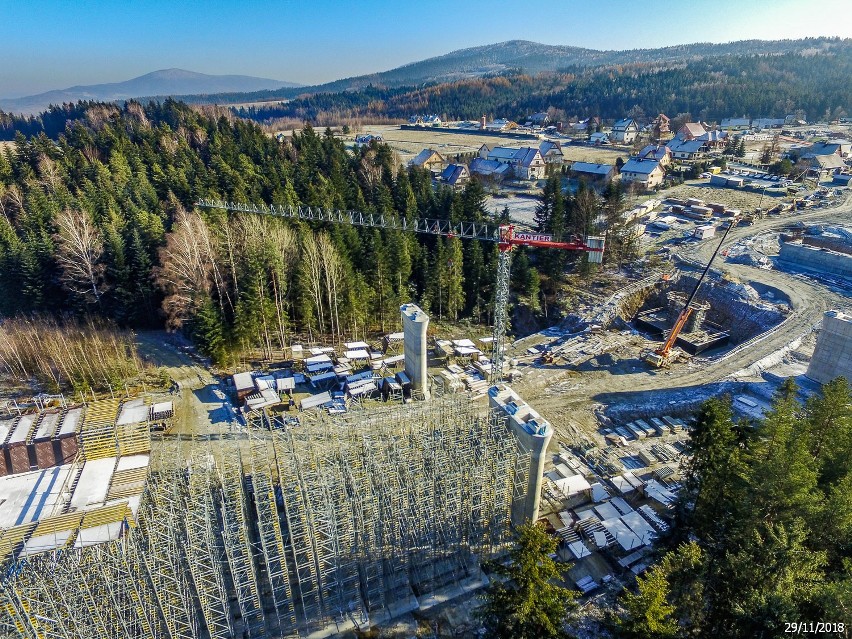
(624, 131)
(551, 152)
(526, 162)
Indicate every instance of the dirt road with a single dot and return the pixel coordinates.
(569, 399)
(201, 405)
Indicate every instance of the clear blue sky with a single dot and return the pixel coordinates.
(56, 44)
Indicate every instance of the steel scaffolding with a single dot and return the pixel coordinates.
(287, 530)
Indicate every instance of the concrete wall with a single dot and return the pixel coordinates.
(794, 254)
(414, 325)
(507, 405)
(742, 318)
(833, 353)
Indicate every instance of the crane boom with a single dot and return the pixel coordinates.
(686, 311)
(503, 235)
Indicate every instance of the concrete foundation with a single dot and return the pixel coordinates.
(533, 434)
(414, 325)
(833, 354)
(798, 256)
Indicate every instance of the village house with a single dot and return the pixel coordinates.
(659, 152)
(584, 125)
(660, 130)
(455, 175)
(526, 162)
(599, 138)
(624, 131)
(823, 166)
(690, 131)
(425, 120)
(364, 140)
(428, 159)
(551, 152)
(538, 119)
(714, 139)
(767, 123)
(840, 148)
(490, 170)
(736, 124)
(686, 149)
(600, 173)
(500, 124)
(645, 173)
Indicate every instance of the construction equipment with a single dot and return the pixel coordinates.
(504, 235)
(662, 357)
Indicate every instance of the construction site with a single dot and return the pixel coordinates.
(352, 486)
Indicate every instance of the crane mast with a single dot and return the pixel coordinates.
(503, 235)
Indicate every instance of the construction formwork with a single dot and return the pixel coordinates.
(287, 531)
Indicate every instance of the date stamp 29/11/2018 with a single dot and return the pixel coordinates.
(814, 627)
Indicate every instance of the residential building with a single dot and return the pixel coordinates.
(840, 148)
(736, 124)
(624, 131)
(660, 131)
(428, 159)
(714, 139)
(456, 175)
(767, 123)
(691, 131)
(659, 152)
(539, 119)
(500, 124)
(646, 173)
(364, 140)
(526, 162)
(490, 169)
(822, 166)
(529, 165)
(686, 149)
(551, 152)
(599, 138)
(593, 172)
(584, 125)
(425, 120)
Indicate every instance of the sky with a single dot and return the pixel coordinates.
(56, 44)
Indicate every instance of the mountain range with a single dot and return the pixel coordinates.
(165, 82)
(494, 59)
(532, 58)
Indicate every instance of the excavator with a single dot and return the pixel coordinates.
(662, 357)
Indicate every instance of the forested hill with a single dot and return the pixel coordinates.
(530, 58)
(102, 222)
(709, 89)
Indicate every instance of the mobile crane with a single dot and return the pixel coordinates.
(504, 235)
(662, 356)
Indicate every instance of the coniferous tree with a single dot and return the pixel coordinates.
(528, 605)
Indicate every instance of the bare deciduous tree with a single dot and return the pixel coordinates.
(185, 274)
(79, 252)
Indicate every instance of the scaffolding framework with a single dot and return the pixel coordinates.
(289, 530)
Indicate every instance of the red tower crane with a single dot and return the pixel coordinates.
(504, 235)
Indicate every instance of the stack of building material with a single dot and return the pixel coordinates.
(97, 435)
(132, 433)
(65, 441)
(129, 477)
(42, 439)
(16, 445)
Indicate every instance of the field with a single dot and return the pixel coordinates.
(732, 198)
(409, 143)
